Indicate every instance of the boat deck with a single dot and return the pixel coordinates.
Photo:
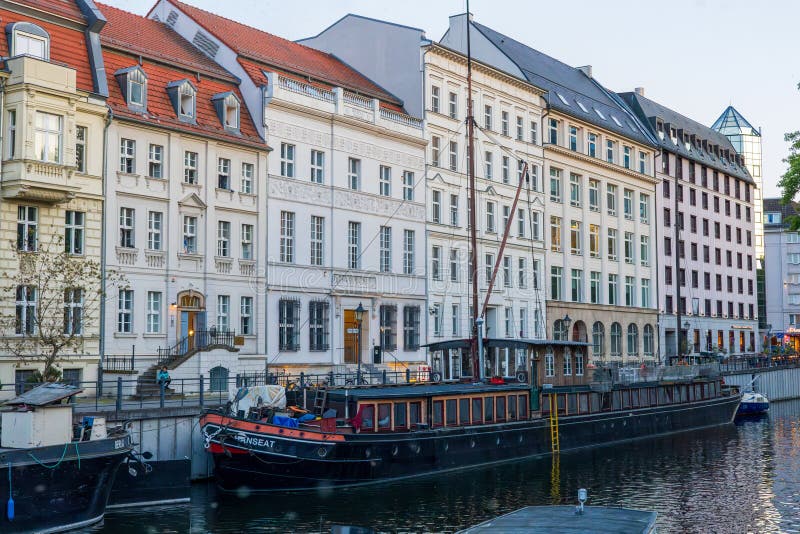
(564, 519)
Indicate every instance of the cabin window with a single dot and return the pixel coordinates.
(684, 396)
(626, 399)
(415, 412)
(653, 397)
(635, 398)
(595, 402)
(477, 410)
(523, 406)
(384, 416)
(691, 393)
(452, 412)
(643, 398)
(500, 406)
(606, 402)
(367, 417)
(583, 403)
(676, 393)
(438, 413)
(512, 407)
(662, 395)
(705, 391)
(463, 411)
(572, 402)
(400, 415)
(561, 402)
(616, 402)
(488, 409)
(698, 392)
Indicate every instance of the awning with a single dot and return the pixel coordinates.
(504, 343)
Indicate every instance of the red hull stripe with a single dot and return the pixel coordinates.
(264, 428)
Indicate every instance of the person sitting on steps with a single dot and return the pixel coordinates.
(163, 377)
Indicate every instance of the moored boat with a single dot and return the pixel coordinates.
(56, 477)
(753, 404)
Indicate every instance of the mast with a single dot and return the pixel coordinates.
(477, 371)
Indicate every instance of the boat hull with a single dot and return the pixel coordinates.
(753, 408)
(262, 457)
(59, 487)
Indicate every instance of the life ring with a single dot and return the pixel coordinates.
(522, 376)
(436, 376)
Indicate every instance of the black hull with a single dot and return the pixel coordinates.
(162, 482)
(295, 464)
(68, 491)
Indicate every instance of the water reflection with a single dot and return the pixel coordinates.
(740, 478)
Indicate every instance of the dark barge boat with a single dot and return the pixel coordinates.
(55, 477)
(372, 434)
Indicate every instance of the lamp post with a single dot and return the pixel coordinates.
(686, 326)
(481, 365)
(566, 322)
(359, 318)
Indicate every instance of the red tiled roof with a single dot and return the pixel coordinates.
(274, 51)
(63, 8)
(67, 46)
(155, 43)
(140, 35)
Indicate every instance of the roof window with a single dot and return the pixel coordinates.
(580, 105)
(227, 106)
(616, 120)
(28, 39)
(599, 113)
(133, 83)
(183, 95)
(564, 100)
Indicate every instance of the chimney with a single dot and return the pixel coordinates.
(639, 91)
(587, 70)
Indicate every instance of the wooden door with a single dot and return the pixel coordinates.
(350, 327)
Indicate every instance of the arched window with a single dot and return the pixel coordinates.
(219, 379)
(598, 339)
(647, 340)
(559, 330)
(28, 39)
(633, 340)
(616, 339)
(579, 331)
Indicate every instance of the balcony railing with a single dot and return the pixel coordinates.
(196, 342)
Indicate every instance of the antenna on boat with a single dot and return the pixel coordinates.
(476, 331)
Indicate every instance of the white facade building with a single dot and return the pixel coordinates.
(782, 266)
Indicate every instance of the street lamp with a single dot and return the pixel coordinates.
(359, 317)
(686, 326)
(566, 321)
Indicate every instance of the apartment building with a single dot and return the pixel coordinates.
(782, 266)
(599, 186)
(706, 236)
(345, 204)
(53, 113)
(507, 114)
(185, 206)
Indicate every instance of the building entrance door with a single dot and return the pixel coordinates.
(350, 326)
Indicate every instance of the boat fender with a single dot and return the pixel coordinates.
(10, 506)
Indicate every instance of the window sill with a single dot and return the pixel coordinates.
(125, 335)
(154, 336)
(190, 256)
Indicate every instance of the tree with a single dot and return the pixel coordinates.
(53, 302)
(790, 181)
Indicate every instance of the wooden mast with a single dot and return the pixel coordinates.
(477, 372)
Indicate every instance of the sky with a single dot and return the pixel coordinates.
(694, 56)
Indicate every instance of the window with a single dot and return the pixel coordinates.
(126, 223)
(504, 123)
(522, 273)
(648, 340)
(223, 239)
(453, 156)
(436, 206)
(354, 245)
(616, 339)
(287, 237)
(594, 287)
(230, 111)
(488, 266)
(633, 340)
(436, 262)
(610, 149)
(136, 87)
(435, 99)
(575, 238)
(26, 319)
(594, 240)
(534, 132)
(627, 203)
(555, 233)
(12, 140)
(411, 328)
(287, 160)
(454, 263)
(594, 195)
(573, 138)
(553, 131)
(246, 184)
(629, 249)
(246, 316)
(520, 222)
(453, 105)
(612, 244)
(73, 311)
(317, 166)
(408, 186)
(317, 240)
(74, 231)
(507, 278)
(612, 289)
(644, 250)
(354, 174)
(190, 167)
(189, 234)
(567, 363)
(555, 184)
(288, 325)
(626, 157)
(318, 325)
(186, 98)
(388, 327)
(125, 311)
(611, 199)
(592, 148)
(642, 162)
(575, 190)
(487, 117)
(34, 43)
(247, 242)
(556, 275)
(549, 362)
(155, 221)
(153, 319)
(80, 142)
(490, 223)
(598, 339)
(630, 291)
(127, 155)
(155, 161)
(577, 285)
(536, 225)
(385, 181)
(436, 148)
(520, 128)
(224, 173)
(488, 165)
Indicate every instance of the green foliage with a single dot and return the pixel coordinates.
(790, 181)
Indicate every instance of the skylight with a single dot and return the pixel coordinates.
(580, 105)
(616, 120)
(564, 100)
(599, 114)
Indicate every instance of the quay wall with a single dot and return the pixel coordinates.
(775, 383)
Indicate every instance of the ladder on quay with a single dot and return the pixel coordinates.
(554, 442)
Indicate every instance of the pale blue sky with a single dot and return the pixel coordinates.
(695, 56)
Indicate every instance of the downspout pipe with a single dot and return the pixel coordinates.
(103, 247)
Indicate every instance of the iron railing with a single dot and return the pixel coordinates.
(198, 341)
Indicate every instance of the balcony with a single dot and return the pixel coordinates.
(46, 74)
(50, 183)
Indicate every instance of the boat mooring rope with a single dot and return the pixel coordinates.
(63, 454)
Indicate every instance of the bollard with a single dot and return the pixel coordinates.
(119, 393)
(162, 386)
(202, 392)
(384, 377)
(408, 375)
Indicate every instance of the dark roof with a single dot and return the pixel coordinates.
(504, 342)
(422, 390)
(648, 111)
(775, 205)
(45, 394)
(569, 88)
(731, 122)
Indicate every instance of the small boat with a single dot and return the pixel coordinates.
(56, 476)
(753, 404)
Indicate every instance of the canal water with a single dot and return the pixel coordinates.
(739, 478)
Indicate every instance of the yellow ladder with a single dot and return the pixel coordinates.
(554, 424)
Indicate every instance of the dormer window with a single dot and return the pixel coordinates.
(227, 106)
(133, 83)
(183, 95)
(28, 40)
